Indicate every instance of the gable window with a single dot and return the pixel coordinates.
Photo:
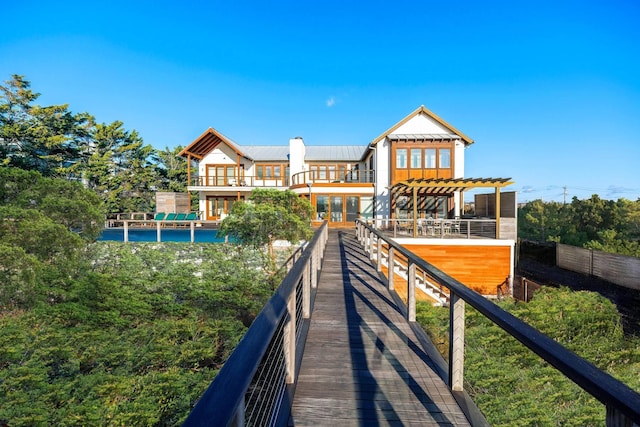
(430, 158)
(416, 158)
(401, 158)
(445, 158)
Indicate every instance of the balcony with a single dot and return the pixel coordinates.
(466, 228)
(236, 183)
(334, 177)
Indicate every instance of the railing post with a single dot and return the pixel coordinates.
(391, 270)
(306, 289)
(290, 335)
(411, 292)
(239, 418)
(379, 255)
(456, 343)
(313, 261)
(371, 236)
(615, 418)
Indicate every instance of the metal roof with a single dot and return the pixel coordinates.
(313, 153)
(337, 153)
(262, 153)
(422, 137)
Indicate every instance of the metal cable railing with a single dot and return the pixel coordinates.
(622, 403)
(252, 386)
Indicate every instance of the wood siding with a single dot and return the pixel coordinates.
(482, 268)
(619, 269)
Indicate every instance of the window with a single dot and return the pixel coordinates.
(322, 206)
(445, 158)
(401, 158)
(430, 158)
(416, 158)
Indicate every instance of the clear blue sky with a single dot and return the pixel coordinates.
(549, 90)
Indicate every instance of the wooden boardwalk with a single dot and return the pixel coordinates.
(362, 364)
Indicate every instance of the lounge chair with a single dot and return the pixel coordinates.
(159, 216)
(181, 217)
(192, 216)
(170, 217)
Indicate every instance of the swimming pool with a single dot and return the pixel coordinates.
(150, 235)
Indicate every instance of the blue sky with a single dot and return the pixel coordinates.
(549, 90)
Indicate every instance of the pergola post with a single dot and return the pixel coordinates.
(415, 211)
(497, 212)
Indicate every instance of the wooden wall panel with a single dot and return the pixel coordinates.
(482, 268)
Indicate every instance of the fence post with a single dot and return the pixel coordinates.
(411, 292)
(456, 343)
(391, 270)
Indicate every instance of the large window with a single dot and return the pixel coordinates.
(445, 158)
(416, 158)
(269, 171)
(401, 158)
(430, 158)
(322, 206)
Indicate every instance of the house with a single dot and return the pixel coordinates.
(410, 178)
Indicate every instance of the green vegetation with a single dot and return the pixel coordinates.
(269, 215)
(110, 160)
(606, 225)
(105, 333)
(514, 387)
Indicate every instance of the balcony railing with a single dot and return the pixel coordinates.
(334, 176)
(439, 228)
(245, 181)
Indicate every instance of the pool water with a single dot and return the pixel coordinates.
(137, 235)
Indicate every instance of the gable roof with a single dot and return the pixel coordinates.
(423, 110)
(207, 142)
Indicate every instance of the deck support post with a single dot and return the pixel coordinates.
(411, 292)
(391, 269)
(290, 335)
(456, 343)
(192, 226)
(158, 232)
(126, 231)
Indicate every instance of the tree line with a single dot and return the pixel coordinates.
(114, 162)
(595, 223)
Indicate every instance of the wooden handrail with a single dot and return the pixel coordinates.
(622, 403)
(224, 403)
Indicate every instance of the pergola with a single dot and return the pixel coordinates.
(448, 186)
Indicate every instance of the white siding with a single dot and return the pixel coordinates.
(421, 124)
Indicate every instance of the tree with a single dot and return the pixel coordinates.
(121, 169)
(267, 216)
(37, 138)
